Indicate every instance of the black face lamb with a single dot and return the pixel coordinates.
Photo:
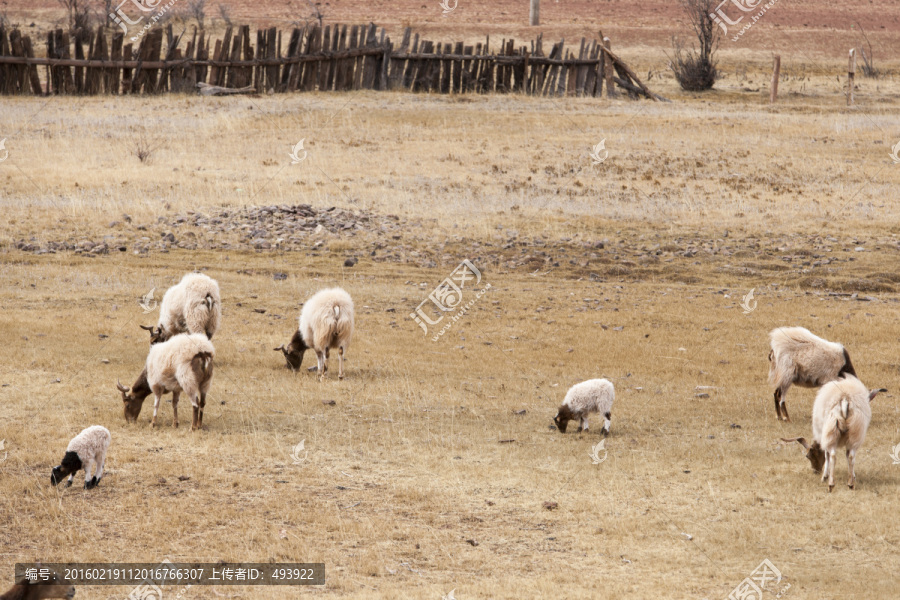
(87, 451)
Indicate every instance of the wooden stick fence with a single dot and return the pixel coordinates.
(329, 58)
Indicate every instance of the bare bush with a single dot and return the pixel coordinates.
(143, 145)
(79, 15)
(695, 69)
(225, 14)
(196, 9)
(868, 66)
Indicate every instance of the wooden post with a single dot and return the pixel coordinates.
(851, 75)
(608, 70)
(534, 15)
(776, 71)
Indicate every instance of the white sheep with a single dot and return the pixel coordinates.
(841, 416)
(87, 451)
(326, 322)
(801, 358)
(181, 364)
(192, 306)
(593, 395)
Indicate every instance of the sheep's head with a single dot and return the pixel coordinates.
(562, 418)
(53, 587)
(157, 334)
(133, 398)
(70, 464)
(293, 354)
(814, 452)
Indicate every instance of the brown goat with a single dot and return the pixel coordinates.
(814, 453)
(293, 354)
(181, 364)
(55, 587)
(134, 399)
(156, 334)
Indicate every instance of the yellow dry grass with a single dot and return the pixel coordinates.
(408, 464)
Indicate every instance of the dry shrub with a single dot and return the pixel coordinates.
(695, 70)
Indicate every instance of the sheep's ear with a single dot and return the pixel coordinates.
(799, 440)
(873, 393)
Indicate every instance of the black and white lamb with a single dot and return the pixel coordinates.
(87, 451)
(591, 396)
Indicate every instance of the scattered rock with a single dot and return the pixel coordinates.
(350, 262)
(551, 505)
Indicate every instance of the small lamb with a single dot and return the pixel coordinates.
(841, 416)
(181, 364)
(326, 322)
(801, 358)
(87, 450)
(593, 395)
(192, 306)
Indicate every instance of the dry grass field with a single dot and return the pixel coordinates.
(433, 466)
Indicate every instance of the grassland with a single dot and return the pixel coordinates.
(632, 269)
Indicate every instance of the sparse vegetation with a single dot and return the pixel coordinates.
(868, 67)
(695, 68)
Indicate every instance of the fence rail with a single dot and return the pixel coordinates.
(324, 58)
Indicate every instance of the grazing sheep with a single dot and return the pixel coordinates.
(87, 451)
(801, 358)
(326, 322)
(841, 416)
(54, 587)
(181, 364)
(192, 306)
(593, 395)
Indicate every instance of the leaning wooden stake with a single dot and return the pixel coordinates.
(776, 71)
(608, 70)
(851, 75)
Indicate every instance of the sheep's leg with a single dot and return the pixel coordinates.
(175, 408)
(70, 479)
(202, 406)
(195, 421)
(851, 464)
(778, 404)
(157, 398)
(320, 357)
(584, 424)
(101, 463)
(341, 362)
(831, 470)
(88, 469)
(606, 423)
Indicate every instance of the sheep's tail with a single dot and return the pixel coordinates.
(332, 325)
(835, 424)
(204, 360)
(203, 316)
